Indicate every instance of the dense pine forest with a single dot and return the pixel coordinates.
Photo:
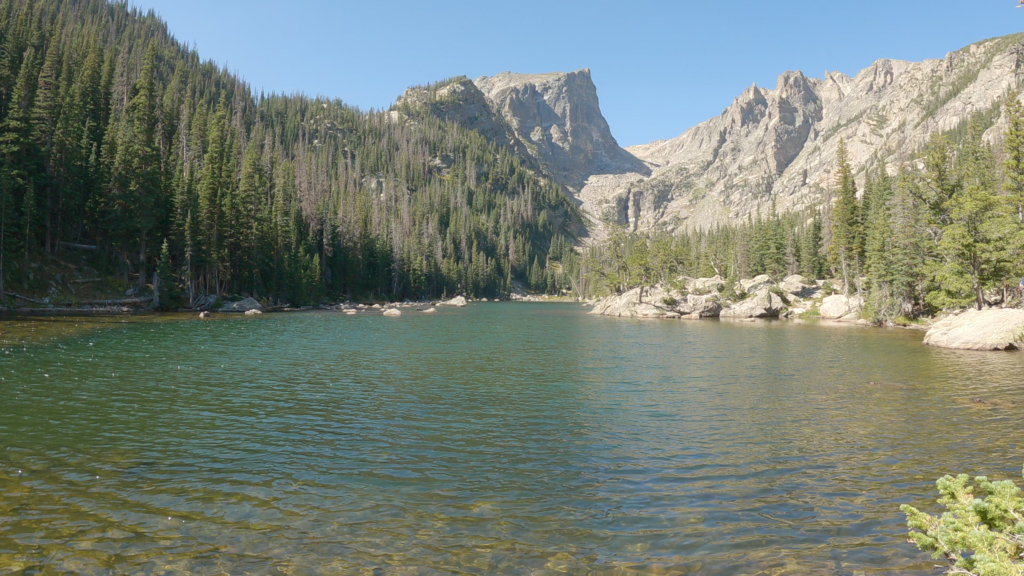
(118, 140)
(945, 232)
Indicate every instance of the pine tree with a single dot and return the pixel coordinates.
(1013, 154)
(970, 243)
(166, 294)
(844, 251)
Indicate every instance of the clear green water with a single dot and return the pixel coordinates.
(496, 439)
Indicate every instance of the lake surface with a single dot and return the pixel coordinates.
(495, 439)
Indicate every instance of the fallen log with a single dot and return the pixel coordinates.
(126, 302)
(25, 298)
(86, 247)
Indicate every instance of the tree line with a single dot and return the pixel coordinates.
(945, 231)
(116, 137)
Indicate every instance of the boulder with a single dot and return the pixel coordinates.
(458, 301)
(628, 305)
(799, 287)
(253, 313)
(994, 329)
(756, 284)
(763, 304)
(205, 315)
(706, 285)
(242, 306)
(709, 306)
(839, 306)
(430, 311)
(392, 312)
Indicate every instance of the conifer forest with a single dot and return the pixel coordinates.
(118, 140)
(115, 138)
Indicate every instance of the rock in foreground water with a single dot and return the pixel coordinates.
(392, 312)
(458, 301)
(996, 329)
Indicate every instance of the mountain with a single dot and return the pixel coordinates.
(780, 144)
(553, 121)
(120, 141)
(770, 145)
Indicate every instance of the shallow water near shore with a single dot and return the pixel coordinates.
(496, 439)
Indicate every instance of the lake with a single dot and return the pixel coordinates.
(496, 439)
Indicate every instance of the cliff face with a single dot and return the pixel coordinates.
(558, 117)
(769, 144)
(782, 143)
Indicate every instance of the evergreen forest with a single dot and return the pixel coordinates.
(944, 233)
(118, 140)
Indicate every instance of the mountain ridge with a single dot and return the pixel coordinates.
(768, 145)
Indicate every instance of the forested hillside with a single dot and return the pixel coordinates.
(116, 138)
(945, 232)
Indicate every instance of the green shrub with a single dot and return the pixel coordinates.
(981, 537)
(668, 301)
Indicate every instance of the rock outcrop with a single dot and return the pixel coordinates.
(798, 286)
(703, 306)
(458, 302)
(780, 143)
(706, 285)
(558, 117)
(839, 307)
(994, 329)
(243, 306)
(756, 284)
(771, 144)
(655, 303)
(763, 304)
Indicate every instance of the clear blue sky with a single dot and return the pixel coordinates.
(660, 66)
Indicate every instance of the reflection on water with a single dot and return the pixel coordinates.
(499, 438)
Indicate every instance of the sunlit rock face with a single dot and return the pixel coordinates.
(769, 145)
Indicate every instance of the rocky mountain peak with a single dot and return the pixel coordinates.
(558, 117)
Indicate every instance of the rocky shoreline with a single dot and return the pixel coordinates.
(795, 298)
(759, 297)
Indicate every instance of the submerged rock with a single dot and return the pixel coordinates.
(995, 329)
(392, 312)
(839, 307)
(253, 313)
(243, 306)
(763, 304)
(430, 311)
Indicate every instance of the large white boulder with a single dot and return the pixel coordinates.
(458, 301)
(995, 329)
(756, 284)
(763, 304)
(798, 286)
(242, 306)
(392, 312)
(706, 285)
(707, 306)
(838, 307)
(657, 303)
